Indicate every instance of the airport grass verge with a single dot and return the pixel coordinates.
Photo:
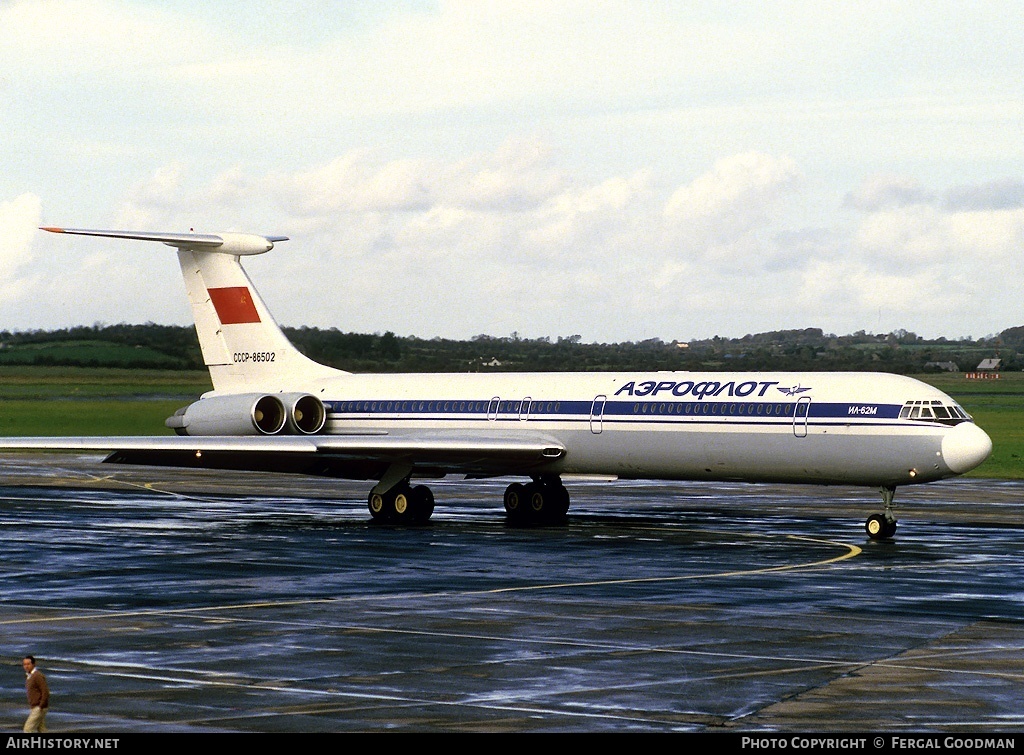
(57, 401)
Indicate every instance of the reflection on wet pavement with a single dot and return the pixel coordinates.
(159, 600)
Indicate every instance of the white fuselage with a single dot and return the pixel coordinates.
(826, 428)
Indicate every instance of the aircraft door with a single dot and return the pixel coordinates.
(524, 409)
(597, 414)
(801, 412)
(492, 408)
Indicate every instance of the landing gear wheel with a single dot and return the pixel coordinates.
(400, 504)
(422, 504)
(376, 504)
(537, 502)
(879, 527)
(561, 502)
(515, 501)
(883, 526)
(556, 503)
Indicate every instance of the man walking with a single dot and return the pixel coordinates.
(38, 696)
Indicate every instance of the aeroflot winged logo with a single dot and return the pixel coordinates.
(794, 390)
(234, 305)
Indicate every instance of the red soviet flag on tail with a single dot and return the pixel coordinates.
(234, 305)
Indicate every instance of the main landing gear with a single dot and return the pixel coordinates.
(543, 501)
(403, 504)
(883, 526)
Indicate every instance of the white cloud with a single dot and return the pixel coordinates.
(418, 247)
(456, 167)
(912, 237)
(19, 222)
(152, 203)
(734, 185)
(90, 37)
(886, 191)
(1007, 193)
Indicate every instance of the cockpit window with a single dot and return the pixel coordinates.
(934, 411)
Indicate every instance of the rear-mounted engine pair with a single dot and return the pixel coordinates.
(251, 414)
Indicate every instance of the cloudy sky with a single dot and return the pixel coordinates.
(618, 170)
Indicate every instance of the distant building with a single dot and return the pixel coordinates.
(944, 366)
(987, 370)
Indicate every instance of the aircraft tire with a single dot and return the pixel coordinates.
(538, 501)
(559, 502)
(515, 501)
(877, 527)
(422, 504)
(890, 527)
(377, 503)
(401, 504)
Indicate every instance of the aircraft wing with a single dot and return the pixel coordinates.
(360, 456)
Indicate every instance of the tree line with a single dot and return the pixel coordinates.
(177, 347)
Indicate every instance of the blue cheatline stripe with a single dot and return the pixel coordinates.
(858, 413)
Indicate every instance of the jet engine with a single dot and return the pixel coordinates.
(243, 414)
(251, 414)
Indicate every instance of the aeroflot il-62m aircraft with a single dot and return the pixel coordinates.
(273, 409)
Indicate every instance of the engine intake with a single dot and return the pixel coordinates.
(306, 413)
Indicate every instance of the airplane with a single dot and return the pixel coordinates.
(274, 409)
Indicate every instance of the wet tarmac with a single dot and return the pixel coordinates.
(159, 600)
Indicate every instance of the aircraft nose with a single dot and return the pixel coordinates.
(965, 446)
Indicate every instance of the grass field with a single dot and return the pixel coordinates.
(42, 383)
(97, 401)
(998, 408)
(93, 401)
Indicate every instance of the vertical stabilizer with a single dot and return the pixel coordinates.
(242, 345)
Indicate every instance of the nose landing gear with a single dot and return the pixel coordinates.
(883, 526)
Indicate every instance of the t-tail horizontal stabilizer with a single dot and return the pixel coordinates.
(225, 243)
